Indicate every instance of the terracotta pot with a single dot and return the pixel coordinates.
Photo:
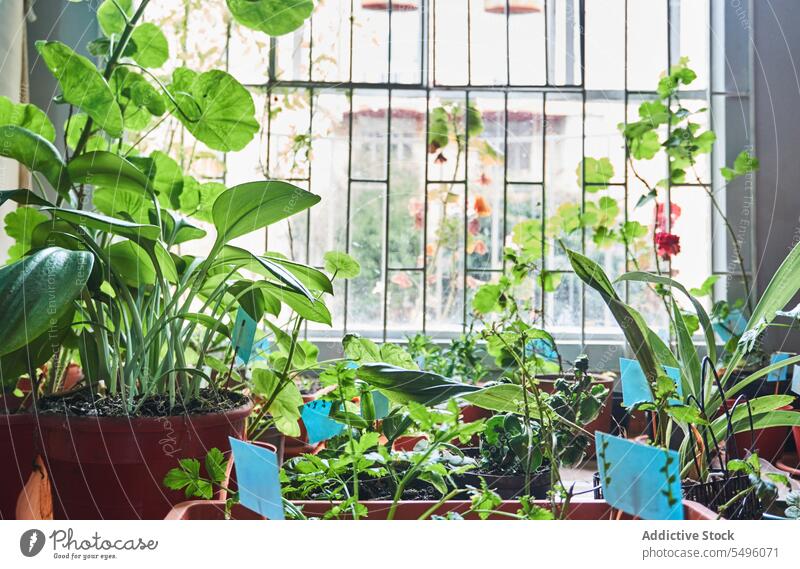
(17, 453)
(114, 467)
(789, 463)
(583, 510)
(603, 420)
(407, 442)
(768, 442)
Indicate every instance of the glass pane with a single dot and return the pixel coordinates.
(527, 61)
(690, 30)
(525, 123)
(605, 44)
(370, 131)
(248, 55)
(563, 42)
(524, 202)
(367, 233)
(450, 43)
(444, 257)
(447, 136)
(403, 304)
(487, 40)
(690, 214)
(329, 149)
(485, 233)
(603, 137)
(331, 41)
(564, 142)
(647, 43)
(406, 43)
(563, 308)
(407, 155)
(289, 142)
(293, 53)
(370, 44)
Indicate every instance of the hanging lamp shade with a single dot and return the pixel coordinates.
(396, 5)
(514, 6)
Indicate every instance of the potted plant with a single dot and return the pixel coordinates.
(35, 325)
(144, 316)
(701, 417)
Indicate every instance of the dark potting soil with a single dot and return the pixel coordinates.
(84, 403)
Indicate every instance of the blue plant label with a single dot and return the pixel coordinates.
(796, 380)
(261, 349)
(735, 323)
(257, 475)
(640, 480)
(316, 418)
(781, 374)
(381, 403)
(636, 388)
(244, 333)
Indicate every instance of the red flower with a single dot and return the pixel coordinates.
(474, 226)
(661, 218)
(484, 180)
(667, 244)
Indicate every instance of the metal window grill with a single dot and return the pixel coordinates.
(524, 120)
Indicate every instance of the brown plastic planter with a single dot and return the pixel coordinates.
(113, 468)
(768, 442)
(590, 510)
(16, 459)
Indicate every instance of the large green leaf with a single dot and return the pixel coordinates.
(35, 153)
(37, 291)
(504, 397)
(245, 260)
(215, 108)
(136, 267)
(285, 408)
(23, 197)
(313, 310)
(273, 17)
(108, 170)
(82, 85)
(35, 353)
(702, 315)
(636, 332)
(27, 116)
(110, 18)
(780, 290)
(252, 206)
(108, 224)
(406, 385)
(123, 203)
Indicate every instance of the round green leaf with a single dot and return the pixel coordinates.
(27, 116)
(82, 85)
(111, 20)
(37, 291)
(273, 17)
(152, 49)
(215, 108)
(341, 264)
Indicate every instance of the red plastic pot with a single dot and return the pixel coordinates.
(589, 510)
(407, 442)
(17, 452)
(769, 442)
(114, 467)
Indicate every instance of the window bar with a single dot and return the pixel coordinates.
(469, 43)
(626, 95)
(429, 75)
(387, 195)
(345, 310)
(582, 55)
(546, 15)
(266, 159)
(505, 176)
(466, 208)
(544, 196)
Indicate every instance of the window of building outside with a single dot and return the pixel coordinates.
(520, 92)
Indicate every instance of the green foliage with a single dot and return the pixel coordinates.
(20, 224)
(286, 400)
(341, 265)
(152, 49)
(82, 85)
(273, 17)
(214, 107)
(187, 475)
(29, 117)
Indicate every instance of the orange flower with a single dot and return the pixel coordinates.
(479, 247)
(430, 249)
(402, 280)
(482, 207)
